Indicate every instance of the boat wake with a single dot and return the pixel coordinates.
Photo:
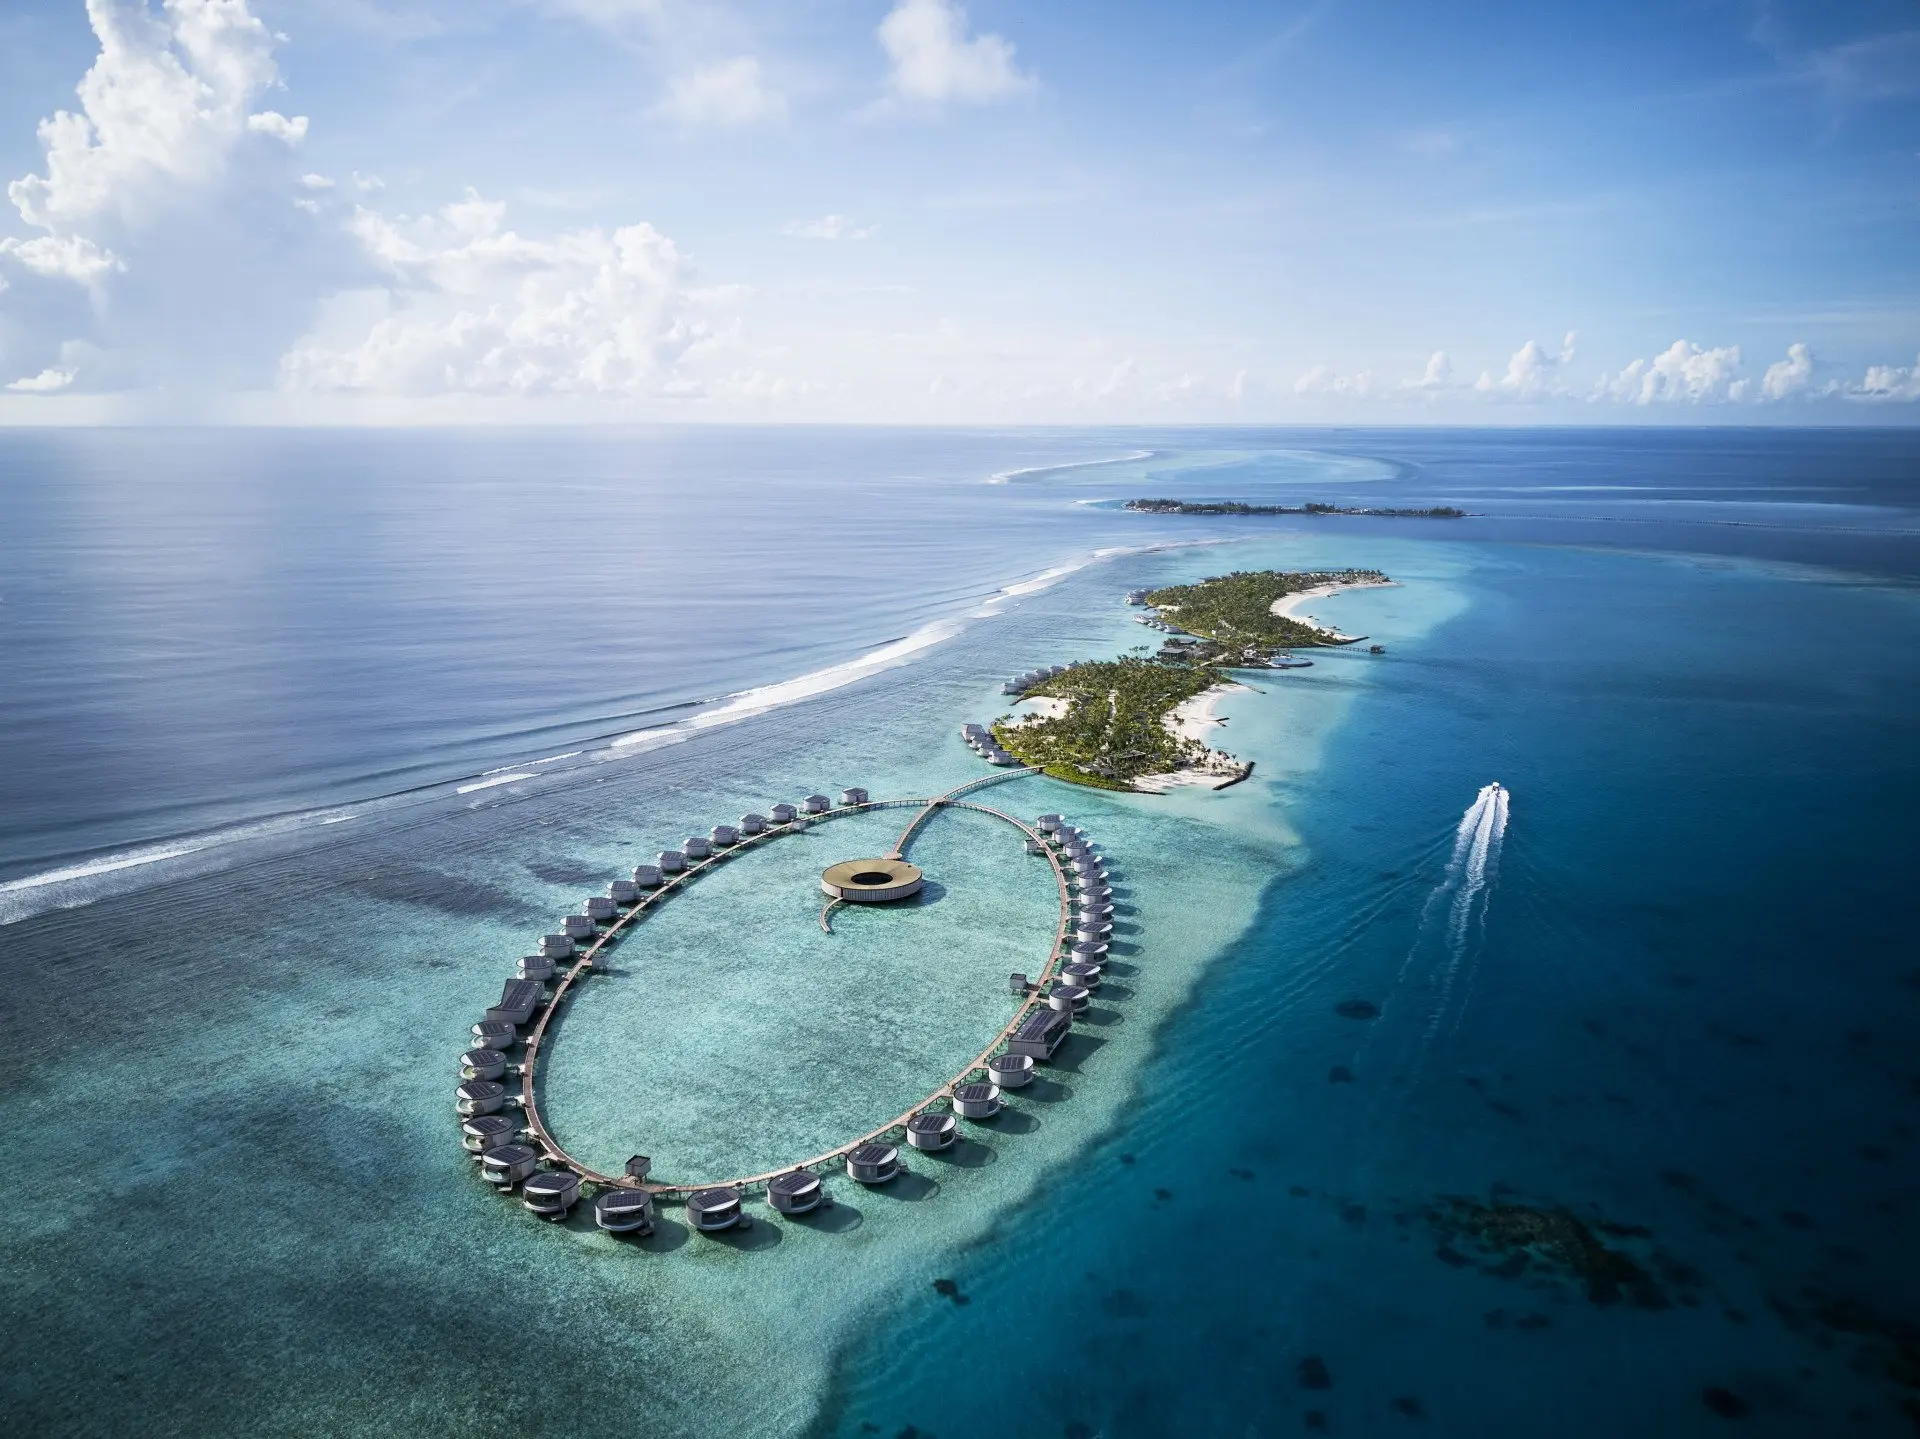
(1475, 865)
(1453, 918)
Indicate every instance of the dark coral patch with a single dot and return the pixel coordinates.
(1357, 1009)
(1123, 1304)
(947, 1289)
(1314, 1373)
(1555, 1239)
(1339, 1074)
(1411, 1407)
(1725, 1403)
(566, 871)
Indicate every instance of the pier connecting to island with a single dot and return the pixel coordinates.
(519, 1149)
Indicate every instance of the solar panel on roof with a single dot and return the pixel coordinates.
(1040, 1024)
(518, 992)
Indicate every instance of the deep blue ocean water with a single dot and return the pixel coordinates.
(304, 733)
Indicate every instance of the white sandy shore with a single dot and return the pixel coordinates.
(1040, 707)
(1287, 605)
(1192, 720)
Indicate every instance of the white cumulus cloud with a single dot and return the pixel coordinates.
(1437, 376)
(163, 198)
(1533, 372)
(46, 382)
(1890, 382)
(162, 106)
(280, 127)
(1683, 373)
(1788, 377)
(73, 257)
(473, 307)
(729, 94)
(934, 59)
(1325, 380)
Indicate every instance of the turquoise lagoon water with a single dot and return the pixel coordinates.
(1672, 995)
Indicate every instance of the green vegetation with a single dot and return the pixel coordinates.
(1233, 614)
(1111, 733)
(1239, 507)
(1113, 730)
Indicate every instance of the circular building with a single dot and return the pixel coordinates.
(872, 881)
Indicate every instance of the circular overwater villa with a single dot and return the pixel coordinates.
(872, 881)
(504, 1131)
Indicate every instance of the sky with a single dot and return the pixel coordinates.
(918, 211)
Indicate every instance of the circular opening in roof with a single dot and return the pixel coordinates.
(870, 881)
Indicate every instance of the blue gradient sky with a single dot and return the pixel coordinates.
(421, 210)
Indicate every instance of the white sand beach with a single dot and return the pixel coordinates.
(1192, 720)
(1040, 707)
(1287, 606)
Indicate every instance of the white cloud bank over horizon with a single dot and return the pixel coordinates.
(177, 247)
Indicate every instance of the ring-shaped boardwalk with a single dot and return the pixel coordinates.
(622, 923)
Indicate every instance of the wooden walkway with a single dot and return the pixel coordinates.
(583, 966)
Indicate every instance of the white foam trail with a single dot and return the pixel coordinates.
(497, 779)
(748, 703)
(1045, 580)
(106, 864)
(1006, 475)
(1476, 865)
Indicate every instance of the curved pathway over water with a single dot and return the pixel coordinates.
(623, 923)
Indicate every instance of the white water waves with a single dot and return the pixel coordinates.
(1454, 915)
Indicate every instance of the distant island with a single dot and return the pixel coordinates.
(1237, 507)
(1139, 722)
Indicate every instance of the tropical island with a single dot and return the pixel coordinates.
(1247, 620)
(1104, 722)
(1139, 722)
(1238, 507)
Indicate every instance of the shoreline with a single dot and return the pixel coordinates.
(1191, 720)
(1286, 605)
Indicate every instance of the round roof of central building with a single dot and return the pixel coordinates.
(871, 879)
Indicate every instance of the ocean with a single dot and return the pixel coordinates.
(1523, 1048)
